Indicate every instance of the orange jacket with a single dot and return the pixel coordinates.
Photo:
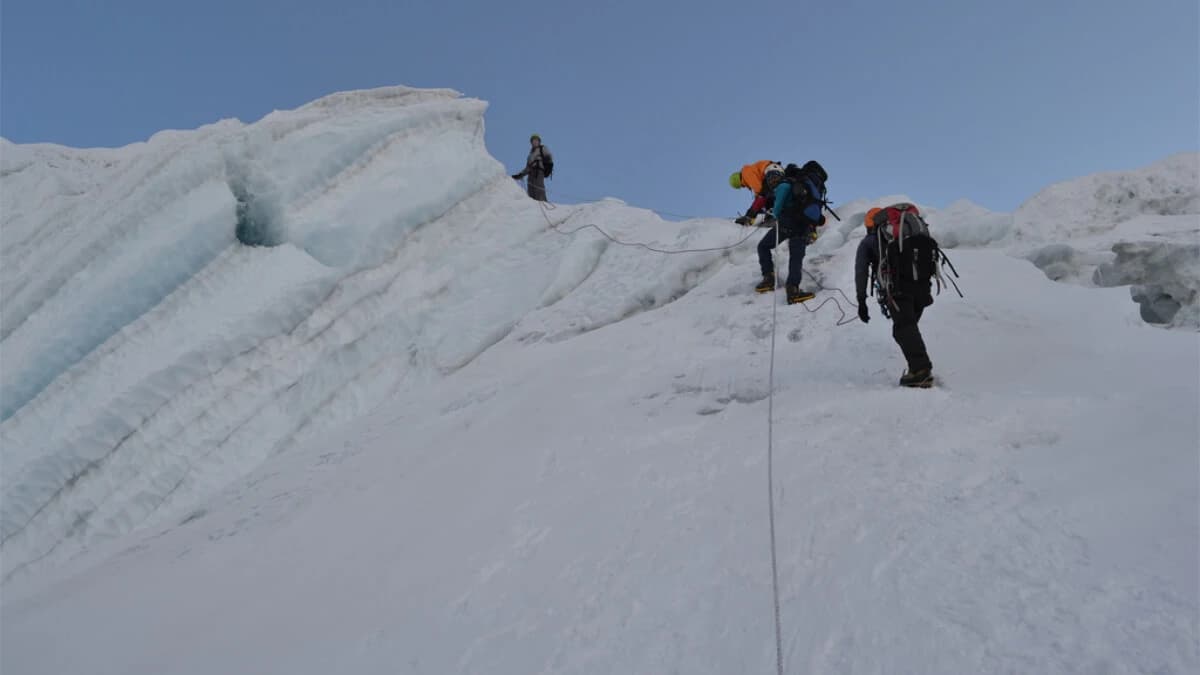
(752, 175)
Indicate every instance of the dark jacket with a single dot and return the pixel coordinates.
(866, 261)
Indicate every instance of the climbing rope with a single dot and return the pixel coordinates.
(592, 200)
(771, 466)
(547, 207)
(845, 317)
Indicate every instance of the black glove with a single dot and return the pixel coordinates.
(743, 220)
(863, 315)
(516, 176)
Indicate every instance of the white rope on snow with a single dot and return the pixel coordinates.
(771, 465)
(548, 206)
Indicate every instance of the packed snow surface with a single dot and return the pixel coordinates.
(413, 428)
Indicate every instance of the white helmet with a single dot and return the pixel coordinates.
(772, 168)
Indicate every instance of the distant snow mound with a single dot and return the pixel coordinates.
(1135, 228)
(1097, 204)
(965, 223)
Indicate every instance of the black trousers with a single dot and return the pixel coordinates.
(797, 245)
(905, 317)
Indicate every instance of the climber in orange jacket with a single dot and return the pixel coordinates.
(751, 178)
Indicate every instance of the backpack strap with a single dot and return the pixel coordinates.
(885, 276)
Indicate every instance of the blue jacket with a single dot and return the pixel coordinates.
(783, 193)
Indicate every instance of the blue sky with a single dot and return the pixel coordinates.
(653, 102)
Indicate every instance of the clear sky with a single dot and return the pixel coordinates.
(653, 102)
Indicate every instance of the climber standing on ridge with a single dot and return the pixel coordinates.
(538, 167)
(751, 177)
(902, 260)
(799, 195)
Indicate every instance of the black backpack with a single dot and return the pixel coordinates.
(812, 169)
(804, 180)
(910, 259)
(547, 164)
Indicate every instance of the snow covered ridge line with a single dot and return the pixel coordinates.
(401, 252)
(150, 356)
(185, 199)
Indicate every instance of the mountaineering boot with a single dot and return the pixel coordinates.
(921, 378)
(766, 285)
(795, 295)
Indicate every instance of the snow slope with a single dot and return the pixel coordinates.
(564, 469)
(149, 357)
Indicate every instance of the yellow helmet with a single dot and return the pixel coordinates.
(735, 180)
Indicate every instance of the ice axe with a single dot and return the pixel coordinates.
(827, 207)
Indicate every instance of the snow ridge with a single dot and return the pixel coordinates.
(160, 357)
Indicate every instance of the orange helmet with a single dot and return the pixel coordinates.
(869, 220)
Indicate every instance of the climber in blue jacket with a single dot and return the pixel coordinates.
(799, 196)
